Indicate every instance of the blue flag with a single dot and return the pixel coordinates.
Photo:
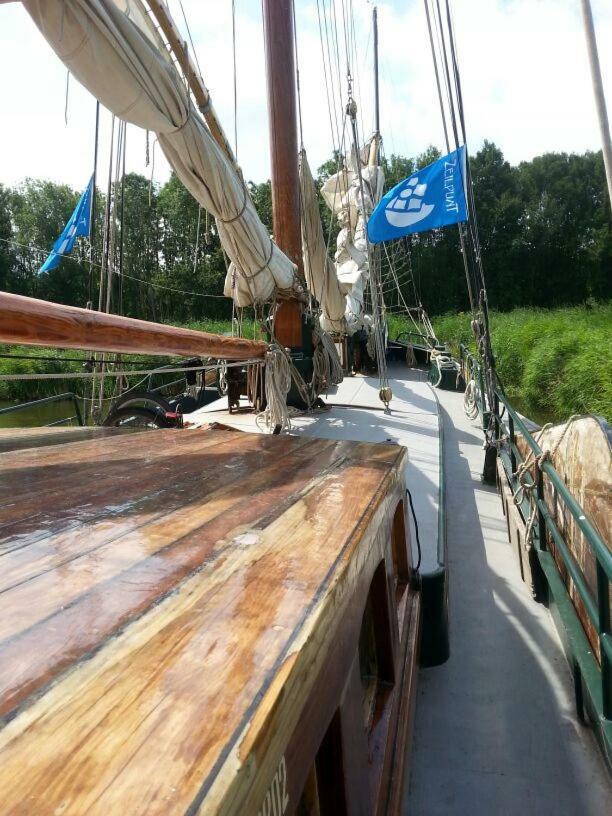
(78, 224)
(431, 197)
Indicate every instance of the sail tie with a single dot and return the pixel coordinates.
(245, 197)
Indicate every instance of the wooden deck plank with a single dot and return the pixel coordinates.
(33, 594)
(12, 439)
(147, 501)
(39, 475)
(226, 598)
(114, 583)
(119, 496)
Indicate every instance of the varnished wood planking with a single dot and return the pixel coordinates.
(12, 439)
(319, 679)
(106, 490)
(132, 569)
(257, 582)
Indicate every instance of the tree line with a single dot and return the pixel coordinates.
(545, 230)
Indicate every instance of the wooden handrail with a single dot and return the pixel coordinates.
(33, 322)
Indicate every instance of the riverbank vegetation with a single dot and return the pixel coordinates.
(555, 362)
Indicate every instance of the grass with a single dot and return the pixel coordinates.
(53, 362)
(557, 362)
(553, 362)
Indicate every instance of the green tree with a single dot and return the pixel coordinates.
(7, 250)
(188, 263)
(40, 210)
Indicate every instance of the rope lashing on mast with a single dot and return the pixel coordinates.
(328, 368)
(278, 382)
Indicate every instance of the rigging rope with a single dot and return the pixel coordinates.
(66, 101)
(92, 211)
(278, 382)
(468, 233)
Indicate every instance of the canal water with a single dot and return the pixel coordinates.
(38, 415)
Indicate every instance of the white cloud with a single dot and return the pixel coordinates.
(524, 72)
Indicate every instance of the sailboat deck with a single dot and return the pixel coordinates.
(495, 728)
(356, 413)
(167, 600)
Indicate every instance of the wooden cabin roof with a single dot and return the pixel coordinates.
(156, 591)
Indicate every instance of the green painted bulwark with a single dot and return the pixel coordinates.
(587, 673)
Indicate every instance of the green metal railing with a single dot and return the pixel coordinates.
(597, 676)
(418, 338)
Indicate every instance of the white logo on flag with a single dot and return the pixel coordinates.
(408, 208)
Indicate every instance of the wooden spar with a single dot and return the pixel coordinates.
(598, 91)
(40, 323)
(376, 92)
(280, 70)
(196, 83)
(375, 143)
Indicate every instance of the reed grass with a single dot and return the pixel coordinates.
(556, 361)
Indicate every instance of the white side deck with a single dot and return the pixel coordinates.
(495, 731)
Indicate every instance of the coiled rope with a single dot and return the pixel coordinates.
(527, 489)
(470, 400)
(443, 362)
(275, 416)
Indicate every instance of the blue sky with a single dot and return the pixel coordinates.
(524, 71)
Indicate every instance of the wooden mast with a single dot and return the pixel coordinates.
(280, 70)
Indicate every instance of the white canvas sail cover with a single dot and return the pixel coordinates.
(110, 47)
(318, 267)
(342, 194)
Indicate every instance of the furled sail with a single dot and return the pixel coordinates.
(342, 194)
(111, 47)
(318, 267)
